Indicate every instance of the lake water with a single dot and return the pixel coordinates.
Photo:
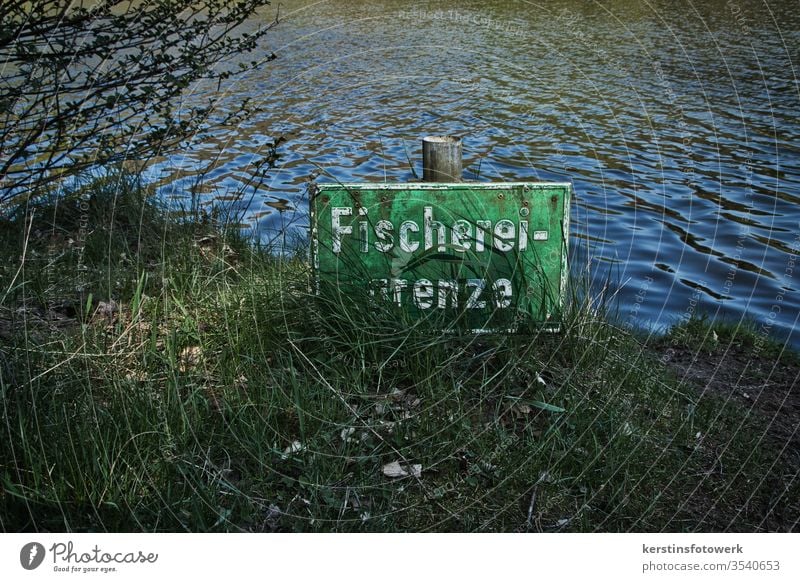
(677, 122)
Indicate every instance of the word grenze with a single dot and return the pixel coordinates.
(462, 236)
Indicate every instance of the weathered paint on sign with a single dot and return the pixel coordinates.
(472, 256)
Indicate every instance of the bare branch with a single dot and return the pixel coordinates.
(92, 82)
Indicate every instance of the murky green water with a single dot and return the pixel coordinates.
(677, 122)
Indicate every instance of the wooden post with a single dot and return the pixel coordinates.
(441, 159)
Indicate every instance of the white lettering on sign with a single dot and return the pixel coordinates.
(363, 229)
(336, 226)
(484, 226)
(423, 294)
(503, 293)
(504, 232)
(448, 289)
(397, 287)
(480, 235)
(523, 235)
(430, 224)
(386, 240)
(474, 301)
(461, 235)
(443, 294)
(406, 244)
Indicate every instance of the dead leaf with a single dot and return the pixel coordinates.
(347, 433)
(272, 517)
(107, 308)
(190, 357)
(386, 425)
(522, 408)
(105, 312)
(206, 241)
(395, 470)
(295, 447)
(136, 376)
(229, 254)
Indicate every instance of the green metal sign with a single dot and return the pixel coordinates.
(468, 256)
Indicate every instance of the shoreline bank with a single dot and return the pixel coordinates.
(165, 375)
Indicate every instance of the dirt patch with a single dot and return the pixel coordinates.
(37, 321)
(767, 388)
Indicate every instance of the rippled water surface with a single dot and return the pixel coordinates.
(677, 122)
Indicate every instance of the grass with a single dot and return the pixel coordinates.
(169, 375)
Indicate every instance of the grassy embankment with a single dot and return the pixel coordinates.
(161, 375)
